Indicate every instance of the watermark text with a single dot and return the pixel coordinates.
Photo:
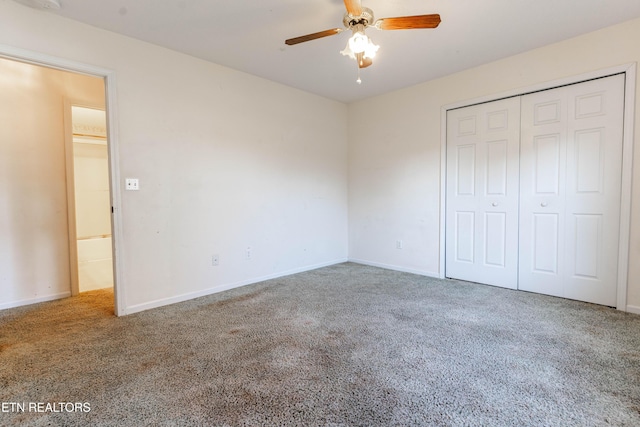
(58, 407)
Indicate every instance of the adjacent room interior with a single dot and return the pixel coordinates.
(92, 199)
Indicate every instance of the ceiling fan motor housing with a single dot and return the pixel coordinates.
(365, 19)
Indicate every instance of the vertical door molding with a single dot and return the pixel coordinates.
(627, 179)
(71, 200)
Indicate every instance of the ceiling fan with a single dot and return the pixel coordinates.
(357, 19)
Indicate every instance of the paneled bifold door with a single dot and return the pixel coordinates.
(482, 193)
(533, 191)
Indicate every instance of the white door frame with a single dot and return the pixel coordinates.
(109, 76)
(629, 70)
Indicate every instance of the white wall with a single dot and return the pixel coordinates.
(91, 178)
(225, 161)
(34, 246)
(394, 153)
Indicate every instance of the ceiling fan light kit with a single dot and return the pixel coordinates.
(357, 19)
(361, 48)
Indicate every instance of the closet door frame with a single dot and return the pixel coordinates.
(629, 71)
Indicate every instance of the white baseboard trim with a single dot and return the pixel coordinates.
(395, 268)
(224, 287)
(20, 303)
(633, 309)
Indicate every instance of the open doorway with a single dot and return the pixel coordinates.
(36, 250)
(88, 197)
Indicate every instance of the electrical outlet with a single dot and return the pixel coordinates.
(131, 184)
(398, 244)
(215, 260)
(248, 253)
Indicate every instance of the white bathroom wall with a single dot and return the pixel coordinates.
(91, 176)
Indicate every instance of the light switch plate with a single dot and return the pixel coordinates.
(131, 184)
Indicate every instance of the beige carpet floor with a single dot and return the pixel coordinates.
(346, 345)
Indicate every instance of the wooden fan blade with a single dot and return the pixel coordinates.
(408, 22)
(313, 36)
(354, 7)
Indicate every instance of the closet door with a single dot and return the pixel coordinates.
(543, 154)
(482, 193)
(570, 182)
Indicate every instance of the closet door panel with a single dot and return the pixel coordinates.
(594, 159)
(482, 193)
(571, 156)
(542, 181)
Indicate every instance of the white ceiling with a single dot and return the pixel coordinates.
(249, 35)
